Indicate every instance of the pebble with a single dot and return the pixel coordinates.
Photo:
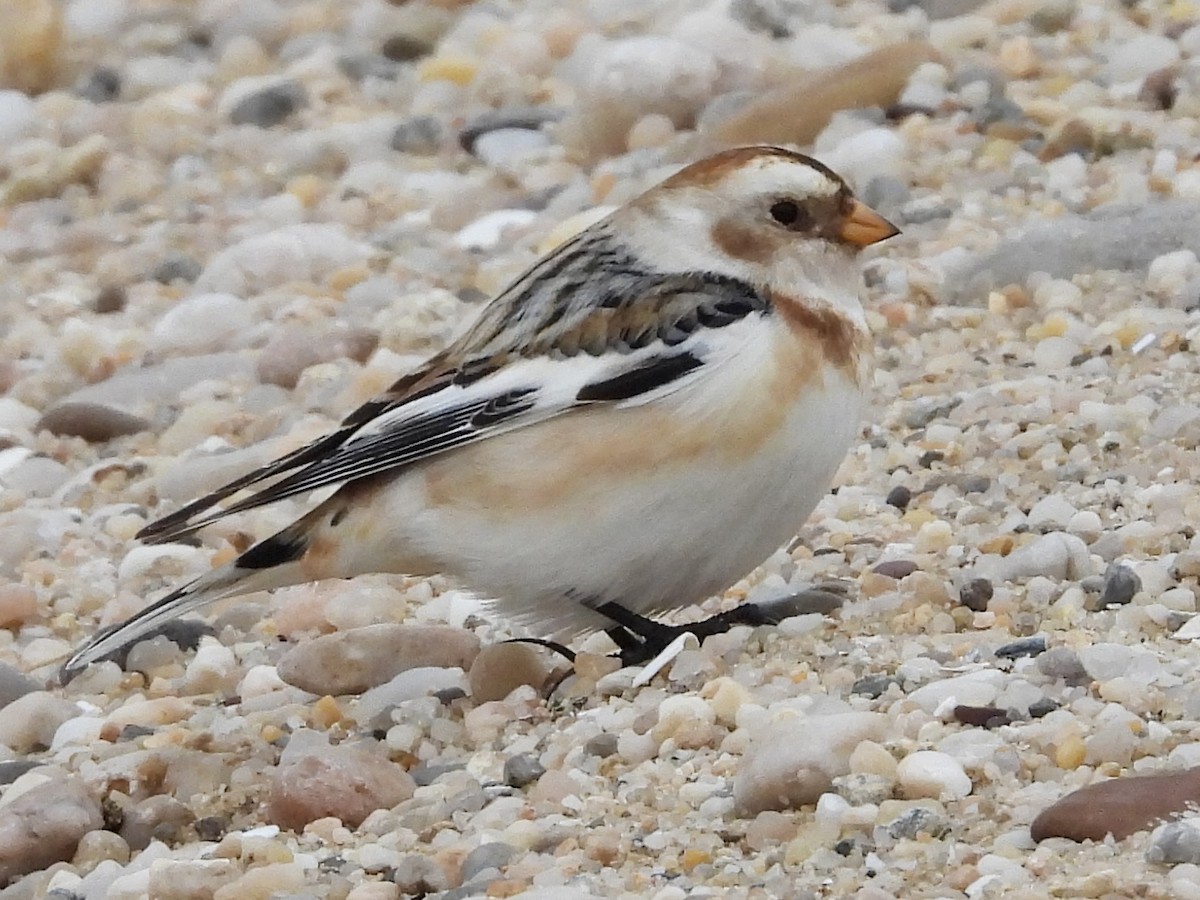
(1053, 512)
(304, 252)
(492, 855)
(45, 825)
(18, 116)
(1137, 57)
(350, 662)
(17, 604)
(32, 45)
(1078, 244)
(202, 324)
(489, 229)
(928, 773)
(1174, 843)
(499, 669)
(28, 722)
(97, 847)
(1064, 663)
(182, 879)
(423, 681)
(978, 688)
(420, 136)
(101, 85)
(158, 818)
(269, 106)
(619, 81)
(528, 119)
(94, 422)
(1119, 806)
(522, 770)
(1055, 555)
(918, 820)
(294, 348)
(13, 685)
(1031, 646)
(791, 763)
(420, 875)
(976, 594)
(1121, 583)
(797, 111)
(314, 780)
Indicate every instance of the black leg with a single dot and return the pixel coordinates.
(641, 639)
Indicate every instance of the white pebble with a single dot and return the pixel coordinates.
(488, 230)
(206, 322)
(929, 773)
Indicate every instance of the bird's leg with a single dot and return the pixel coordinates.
(641, 639)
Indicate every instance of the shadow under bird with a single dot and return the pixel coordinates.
(635, 423)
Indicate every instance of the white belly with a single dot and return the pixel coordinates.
(629, 505)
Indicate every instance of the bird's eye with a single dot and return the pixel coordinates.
(788, 214)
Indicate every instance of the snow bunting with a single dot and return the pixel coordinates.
(637, 422)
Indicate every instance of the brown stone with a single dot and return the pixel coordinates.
(796, 112)
(349, 662)
(1118, 807)
(44, 826)
(501, 668)
(348, 782)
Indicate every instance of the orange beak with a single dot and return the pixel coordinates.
(862, 226)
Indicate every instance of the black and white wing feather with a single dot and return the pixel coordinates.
(586, 325)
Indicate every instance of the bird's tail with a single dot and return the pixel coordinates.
(269, 564)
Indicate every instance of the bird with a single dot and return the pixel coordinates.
(638, 421)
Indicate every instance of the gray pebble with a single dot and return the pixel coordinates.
(360, 66)
(494, 855)
(771, 16)
(821, 599)
(522, 118)
(925, 209)
(1121, 583)
(420, 135)
(426, 774)
(1030, 646)
(923, 413)
(896, 568)
(419, 874)
(1042, 707)
(976, 594)
(522, 770)
(110, 299)
(886, 193)
(176, 267)
(916, 821)
(1064, 663)
(405, 48)
(873, 686)
(1173, 843)
(13, 684)
(1121, 237)
(101, 85)
(1053, 15)
(863, 787)
(602, 745)
(270, 105)
(12, 769)
(899, 497)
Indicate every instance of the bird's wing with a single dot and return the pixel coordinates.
(531, 356)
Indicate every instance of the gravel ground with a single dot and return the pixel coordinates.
(223, 224)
